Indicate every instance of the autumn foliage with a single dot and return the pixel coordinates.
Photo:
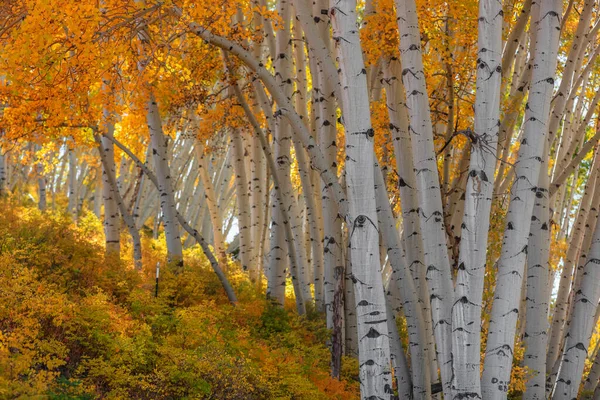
(74, 325)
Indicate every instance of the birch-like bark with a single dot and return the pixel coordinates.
(538, 291)
(501, 336)
(159, 144)
(112, 224)
(112, 181)
(467, 304)
(592, 379)
(580, 227)
(243, 200)
(72, 184)
(411, 232)
(403, 280)
(373, 340)
(327, 136)
(213, 209)
(401, 372)
(257, 201)
(286, 109)
(275, 272)
(3, 173)
(41, 178)
(211, 258)
(513, 40)
(313, 216)
(432, 224)
(567, 74)
(98, 193)
(578, 337)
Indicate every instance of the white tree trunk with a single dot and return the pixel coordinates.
(42, 198)
(112, 181)
(411, 232)
(538, 291)
(112, 223)
(432, 224)
(165, 187)
(3, 173)
(403, 280)
(579, 230)
(467, 304)
(213, 209)
(578, 337)
(501, 336)
(373, 340)
(72, 184)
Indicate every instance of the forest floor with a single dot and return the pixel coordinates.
(76, 325)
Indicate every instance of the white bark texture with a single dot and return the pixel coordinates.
(509, 276)
(538, 291)
(577, 340)
(112, 225)
(467, 305)
(403, 280)
(167, 201)
(579, 230)
(373, 340)
(431, 211)
(411, 232)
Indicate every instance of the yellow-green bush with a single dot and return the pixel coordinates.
(74, 325)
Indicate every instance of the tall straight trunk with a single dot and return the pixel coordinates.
(501, 335)
(143, 195)
(468, 297)
(213, 209)
(350, 322)
(41, 178)
(401, 372)
(112, 223)
(324, 98)
(332, 223)
(98, 193)
(403, 280)
(243, 200)
(72, 185)
(283, 132)
(3, 174)
(133, 231)
(577, 340)
(538, 291)
(373, 340)
(309, 183)
(257, 198)
(580, 227)
(591, 381)
(512, 42)
(277, 255)
(562, 94)
(432, 224)
(283, 206)
(411, 232)
(159, 144)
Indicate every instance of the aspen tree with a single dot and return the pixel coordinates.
(363, 237)
(467, 304)
(435, 253)
(500, 342)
